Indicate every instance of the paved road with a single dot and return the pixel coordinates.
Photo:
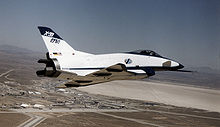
(31, 110)
(36, 119)
(33, 121)
(183, 114)
(5, 73)
(63, 110)
(130, 119)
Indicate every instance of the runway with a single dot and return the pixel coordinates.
(143, 117)
(177, 95)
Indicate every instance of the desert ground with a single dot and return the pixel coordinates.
(160, 92)
(164, 100)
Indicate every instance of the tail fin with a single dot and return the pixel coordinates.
(55, 44)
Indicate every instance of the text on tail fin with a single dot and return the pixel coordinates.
(45, 31)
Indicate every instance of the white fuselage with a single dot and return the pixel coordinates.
(91, 63)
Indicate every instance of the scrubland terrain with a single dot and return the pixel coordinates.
(166, 99)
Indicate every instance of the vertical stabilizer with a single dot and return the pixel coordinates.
(56, 45)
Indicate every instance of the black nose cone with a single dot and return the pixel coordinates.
(180, 66)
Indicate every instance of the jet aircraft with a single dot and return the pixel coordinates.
(82, 69)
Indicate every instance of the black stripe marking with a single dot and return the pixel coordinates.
(129, 68)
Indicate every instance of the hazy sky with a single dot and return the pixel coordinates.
(185, 30)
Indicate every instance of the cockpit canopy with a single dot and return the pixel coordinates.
(145, 52)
